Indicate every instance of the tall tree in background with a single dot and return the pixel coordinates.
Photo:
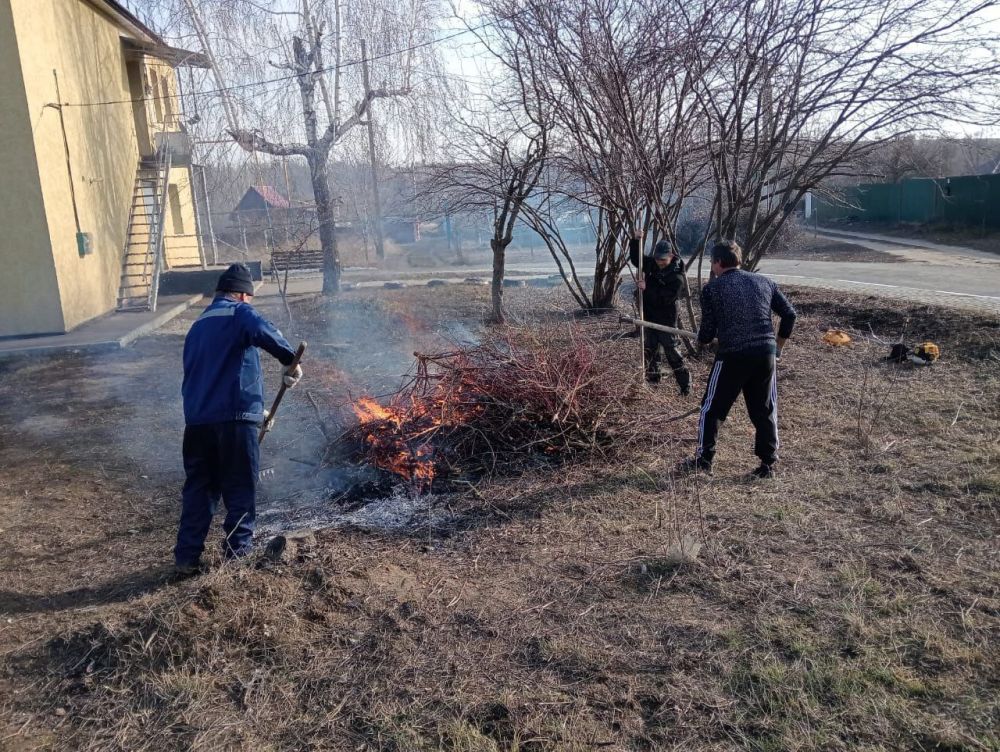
(736, 110)
(611, 74)
(498, 146)
(294, 83)
(795, 92)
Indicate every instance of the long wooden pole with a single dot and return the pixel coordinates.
(266, 426)
(640, 276)
(376, 199)
(658, 327)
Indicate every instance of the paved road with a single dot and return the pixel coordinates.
(943, 275)
(940, 275)
(911, 248)
(957, 287)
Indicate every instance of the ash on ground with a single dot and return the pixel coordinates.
(366, 505)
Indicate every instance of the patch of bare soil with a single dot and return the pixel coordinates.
(852, 603)
(813, 248)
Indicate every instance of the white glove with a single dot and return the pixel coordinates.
(292, 376)
(267, 416)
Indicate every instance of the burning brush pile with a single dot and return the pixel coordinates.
(501, 406)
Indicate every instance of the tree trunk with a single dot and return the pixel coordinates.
(327, 224)
(459, 248)
(376, 200)
(499, 254)
(605, 290)
(608, 267)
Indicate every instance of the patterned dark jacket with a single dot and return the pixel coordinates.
(736, 307)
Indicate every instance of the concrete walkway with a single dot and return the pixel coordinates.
(112, 331)
(914, 250)
(969, 286)
(945, 275)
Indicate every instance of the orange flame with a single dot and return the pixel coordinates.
(369, 411)
(392, 450)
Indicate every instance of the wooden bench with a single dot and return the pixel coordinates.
(283, 261)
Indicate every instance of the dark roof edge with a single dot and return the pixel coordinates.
(149, 41)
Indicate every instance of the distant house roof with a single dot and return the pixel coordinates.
(260, 197)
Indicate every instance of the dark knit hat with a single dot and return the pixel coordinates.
(663, 250)
(236, 278)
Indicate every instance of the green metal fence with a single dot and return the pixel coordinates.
(968, 201)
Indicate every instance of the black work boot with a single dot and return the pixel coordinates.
(684, 382)
(184, 571)
(763, 472)
(694, 465)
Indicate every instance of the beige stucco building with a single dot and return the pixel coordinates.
(93, 161)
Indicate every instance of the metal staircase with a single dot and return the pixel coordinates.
(144, 239)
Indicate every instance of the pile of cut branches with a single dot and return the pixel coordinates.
(500, 406)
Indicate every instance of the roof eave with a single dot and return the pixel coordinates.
(147, 41)
(173, 55)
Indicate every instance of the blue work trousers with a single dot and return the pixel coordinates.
(221, 461)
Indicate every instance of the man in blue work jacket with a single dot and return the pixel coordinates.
(223, 408)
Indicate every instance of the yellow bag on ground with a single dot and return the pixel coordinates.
(836, 337)
(927, 351)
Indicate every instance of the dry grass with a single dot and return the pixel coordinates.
(852, 603)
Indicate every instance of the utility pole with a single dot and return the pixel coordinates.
(288, 195)
(376, 202)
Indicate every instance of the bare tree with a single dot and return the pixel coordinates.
(500, 157)
(795, 93)
(908, 156)
(306, 64)
(611, 73)
(294, 84)
(739, 108)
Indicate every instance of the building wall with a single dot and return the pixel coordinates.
(84, 47)
(29, 299)
(181, 243)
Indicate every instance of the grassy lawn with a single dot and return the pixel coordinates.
(853, 603)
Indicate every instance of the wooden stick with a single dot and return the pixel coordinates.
(658, 327)
(266, 425)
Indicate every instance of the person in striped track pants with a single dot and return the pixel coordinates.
(736, 308)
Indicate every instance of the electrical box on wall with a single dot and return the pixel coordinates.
(83, 244)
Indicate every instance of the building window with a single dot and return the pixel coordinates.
(157, 104)
(175, 210)
(168, 107)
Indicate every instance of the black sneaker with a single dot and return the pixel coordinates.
(685, 391)
(763, 472)
(694, 465)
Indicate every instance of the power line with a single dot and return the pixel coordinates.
(328, 69)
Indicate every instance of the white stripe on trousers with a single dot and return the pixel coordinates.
(709, 396)
(774, 405)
